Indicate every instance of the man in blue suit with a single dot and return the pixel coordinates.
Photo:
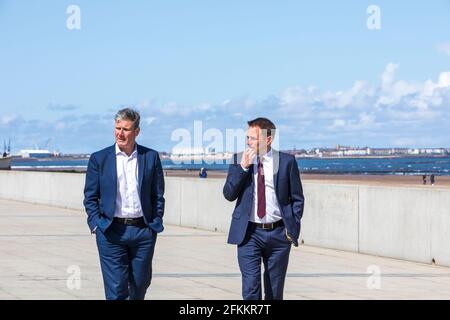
(269, 207)
(124, 201)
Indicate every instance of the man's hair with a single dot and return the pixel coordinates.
(130, 115)
(263, 123)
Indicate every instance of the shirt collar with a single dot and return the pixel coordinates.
(267, 157)
(119, 152)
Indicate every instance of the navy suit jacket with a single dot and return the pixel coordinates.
(288, 189)
(100, 189)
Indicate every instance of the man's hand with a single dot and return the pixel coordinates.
(156, 225)
(290, 238)
(247, 158)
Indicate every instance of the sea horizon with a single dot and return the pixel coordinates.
(409, 165)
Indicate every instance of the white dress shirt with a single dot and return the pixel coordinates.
(128, 203)
(273, 213)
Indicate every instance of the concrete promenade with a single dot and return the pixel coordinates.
(401, 222)
(43, 248)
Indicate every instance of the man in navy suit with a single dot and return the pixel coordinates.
(269, 207)
(124, 201)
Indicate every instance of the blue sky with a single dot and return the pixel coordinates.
(314, 68)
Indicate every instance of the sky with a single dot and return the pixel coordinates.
(326, 73)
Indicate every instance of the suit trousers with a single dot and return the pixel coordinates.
(272, 248)
(126, 254)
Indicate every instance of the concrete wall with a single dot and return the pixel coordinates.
(405, 223)
(51, 188)
(330, 218)
(198, 203)
(410, 223)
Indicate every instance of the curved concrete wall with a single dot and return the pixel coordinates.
(51, 188)
(410, 223)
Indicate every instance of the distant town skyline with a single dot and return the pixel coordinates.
(327, 73)
(339, 150)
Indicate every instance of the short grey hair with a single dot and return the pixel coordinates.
(130, 115)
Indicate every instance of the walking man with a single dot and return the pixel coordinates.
(124, 201)
(269, 207)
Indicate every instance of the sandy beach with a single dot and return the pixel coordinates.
(381, 180)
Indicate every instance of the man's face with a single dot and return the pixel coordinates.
(258, 140)
(125, 134)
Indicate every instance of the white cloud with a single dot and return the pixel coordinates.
(149, 120)
(432, 95)
(338, 124)
(388, 76)
(444, 48)
(394, 91)
(356, 96)
(346, 98)
(390, 112)
(174, 109)
(364, 121)
(146, 103)
(444, 80)
(8, 119)
(204, 106)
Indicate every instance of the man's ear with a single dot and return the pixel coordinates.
(137, 131)
(269, 140)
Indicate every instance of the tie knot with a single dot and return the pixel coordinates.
(260, 167)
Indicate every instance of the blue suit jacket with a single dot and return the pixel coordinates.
(288, 190)
(101, 188)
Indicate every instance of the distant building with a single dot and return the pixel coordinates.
(188, 151)
(346, 151)
(382, 151)
(35, 153)
(339, 147)
(400, 151)
(433, 151)
(356, 152)
(335, 154)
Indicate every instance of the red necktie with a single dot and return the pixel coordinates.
(261, 191)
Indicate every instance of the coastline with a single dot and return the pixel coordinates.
(360, 179)
(380, 180)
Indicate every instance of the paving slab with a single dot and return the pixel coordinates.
(48, 253)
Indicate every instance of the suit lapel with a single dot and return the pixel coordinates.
(251, 173)
(141, 167)
(112, 163)
(252, 186)
(276, 169)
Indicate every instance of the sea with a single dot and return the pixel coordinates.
(347, 166)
